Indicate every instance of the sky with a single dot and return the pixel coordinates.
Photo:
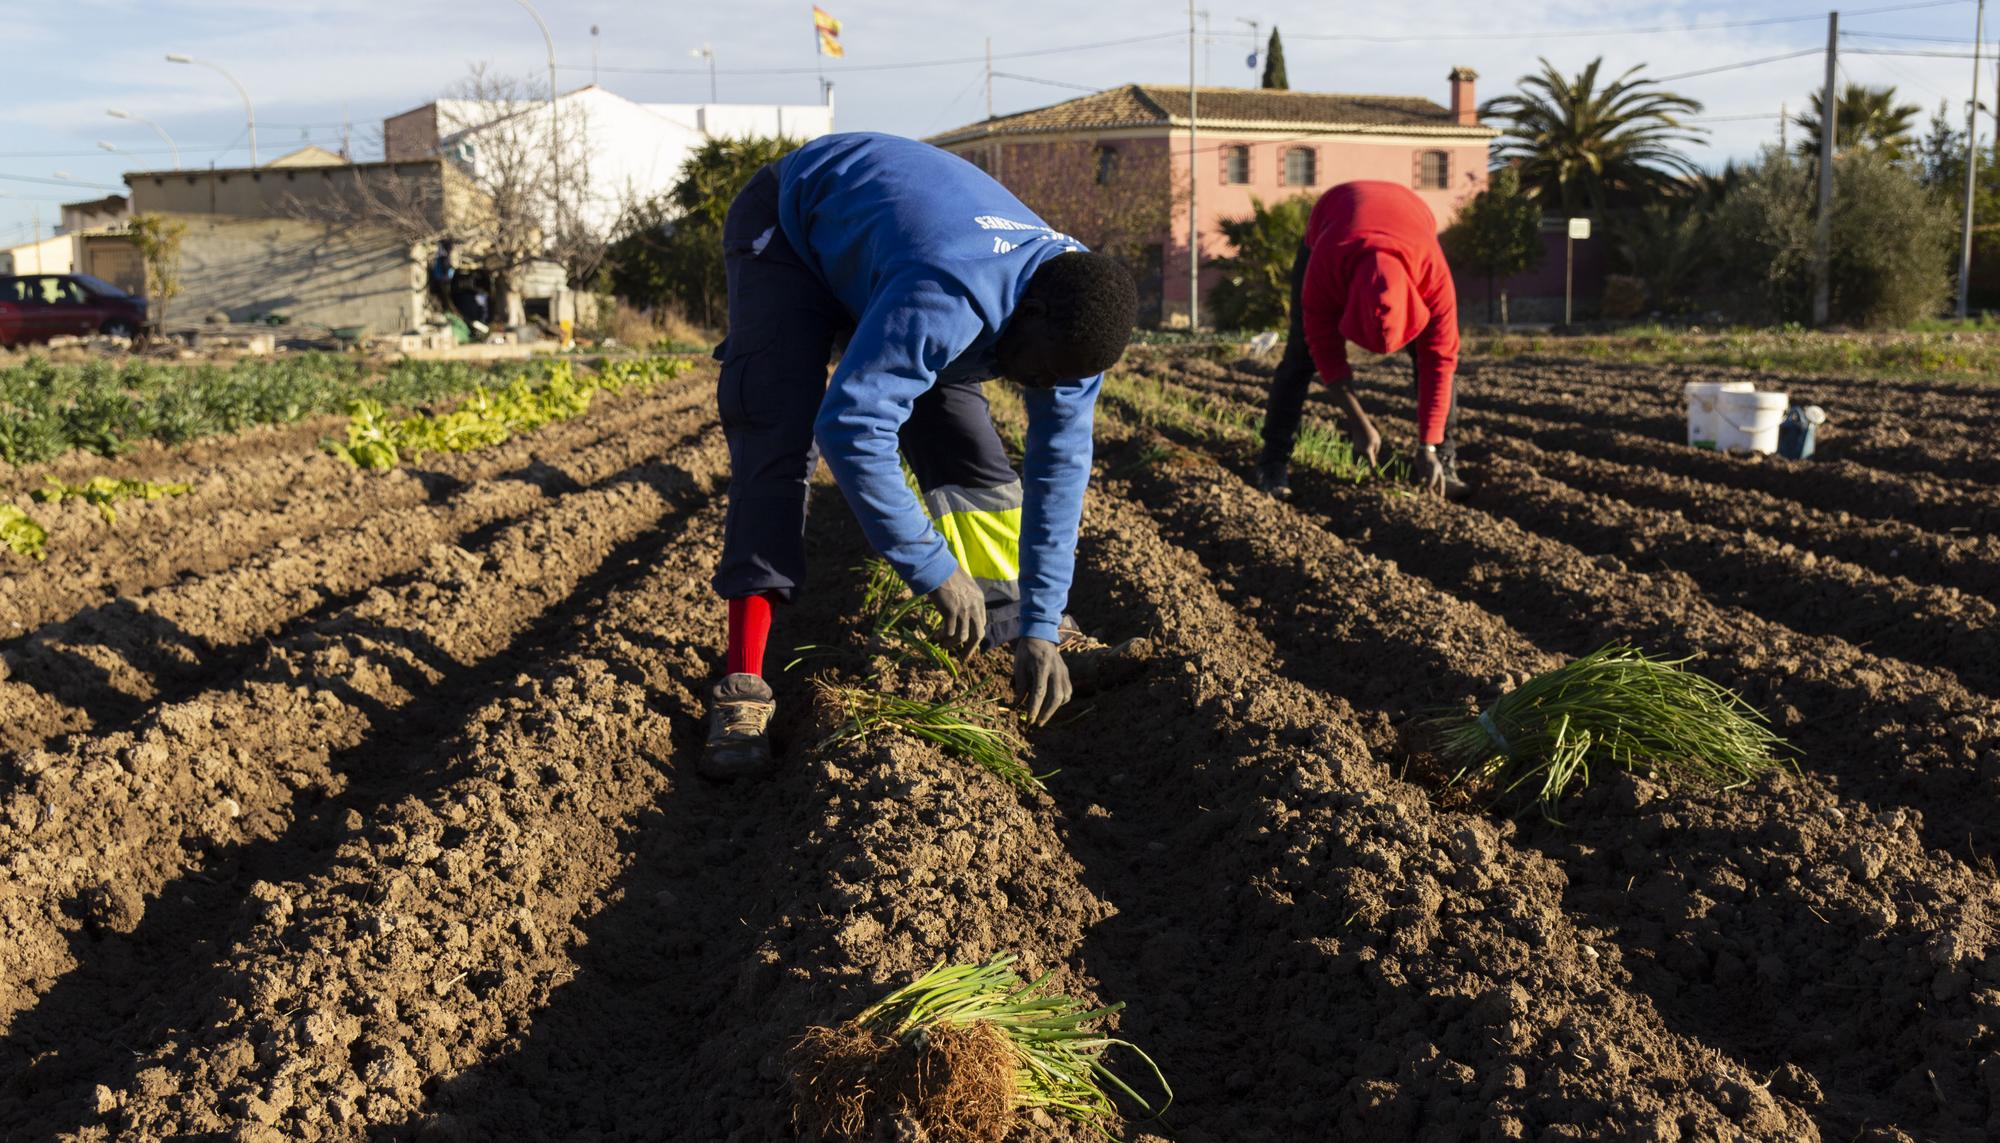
(321, 70)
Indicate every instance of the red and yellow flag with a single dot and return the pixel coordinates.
(829, 33)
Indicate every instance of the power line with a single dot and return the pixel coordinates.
(1047, 82)
(1959, 40)
(1648, 30)
(1911, 52)
(57, 182)
(1736, 66)
(905, 66)
(1432, 36)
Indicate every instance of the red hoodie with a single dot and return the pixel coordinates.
(1378, 278)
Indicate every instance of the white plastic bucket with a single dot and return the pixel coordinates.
(1703, 427)
(1749, 420)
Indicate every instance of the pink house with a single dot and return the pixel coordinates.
(1251, 142)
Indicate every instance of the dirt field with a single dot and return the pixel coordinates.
(340, 806)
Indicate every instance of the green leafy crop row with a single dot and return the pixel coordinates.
(377, 440)
(47, 409)
(104, 491)
(19, 532)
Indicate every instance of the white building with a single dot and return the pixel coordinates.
(631, 151)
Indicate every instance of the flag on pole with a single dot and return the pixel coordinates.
(829, 33)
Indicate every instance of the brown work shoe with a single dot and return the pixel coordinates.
(740, 707)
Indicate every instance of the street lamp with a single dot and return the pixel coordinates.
(550, 43)
(707, 52)
(249, 113)
(117, 114)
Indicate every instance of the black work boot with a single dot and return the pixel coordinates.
(1454, 488)
(1274, 478)
(740, 707)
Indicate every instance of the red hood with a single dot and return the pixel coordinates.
(1384, 311)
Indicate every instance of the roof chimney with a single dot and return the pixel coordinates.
(1464, 106)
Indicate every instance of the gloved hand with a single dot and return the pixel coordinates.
(1430, 470)
(1041, 679)
(963, 607)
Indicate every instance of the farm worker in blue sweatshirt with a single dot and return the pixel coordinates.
(934, 278)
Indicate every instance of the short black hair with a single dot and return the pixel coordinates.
(1091, 302)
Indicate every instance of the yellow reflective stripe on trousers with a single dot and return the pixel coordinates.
(982, 527)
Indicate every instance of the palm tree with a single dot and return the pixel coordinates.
(1581, 147)
(1868, 117)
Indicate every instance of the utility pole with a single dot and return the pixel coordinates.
(1194, 190)
(989, 77)
(1971, 160)
(1207, 50)
(1829, 124)
(593, 55)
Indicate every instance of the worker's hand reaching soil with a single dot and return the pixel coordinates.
(1041, 679)
(1367, 439)
(963, 607)
(1430, 470)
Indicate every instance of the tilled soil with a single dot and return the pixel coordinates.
(345, 806)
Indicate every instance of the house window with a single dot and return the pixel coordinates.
(1107, 165)
(1433, 170)
(1235, 166)
(1301, 167)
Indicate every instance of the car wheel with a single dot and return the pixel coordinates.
(119, 327)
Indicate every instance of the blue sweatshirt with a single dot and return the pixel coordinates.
(931, 256)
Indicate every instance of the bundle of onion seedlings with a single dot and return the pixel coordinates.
(1618, 707)
(965, 727)
(960, 1050)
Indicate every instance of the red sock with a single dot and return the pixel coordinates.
(749, 629)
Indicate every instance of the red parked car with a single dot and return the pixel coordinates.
(37, 307)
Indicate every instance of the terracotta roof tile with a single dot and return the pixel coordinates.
(1152, 105)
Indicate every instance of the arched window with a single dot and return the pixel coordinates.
(1107, 165)
(1433, 170)
(1235, 166)
(1301, 167)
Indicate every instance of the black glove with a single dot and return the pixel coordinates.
(963, 607)
(1430, 470)
(1041, 679)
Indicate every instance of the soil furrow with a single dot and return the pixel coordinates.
(1341, 928)
(92, 832)
(1889, 733)
(245, 509)
(1944, 506)
(1891, 548)
(1927, 626)
(577, 816)
(105, 665)
(1737, 909)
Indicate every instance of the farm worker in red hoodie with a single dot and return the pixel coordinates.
(1371, 272)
